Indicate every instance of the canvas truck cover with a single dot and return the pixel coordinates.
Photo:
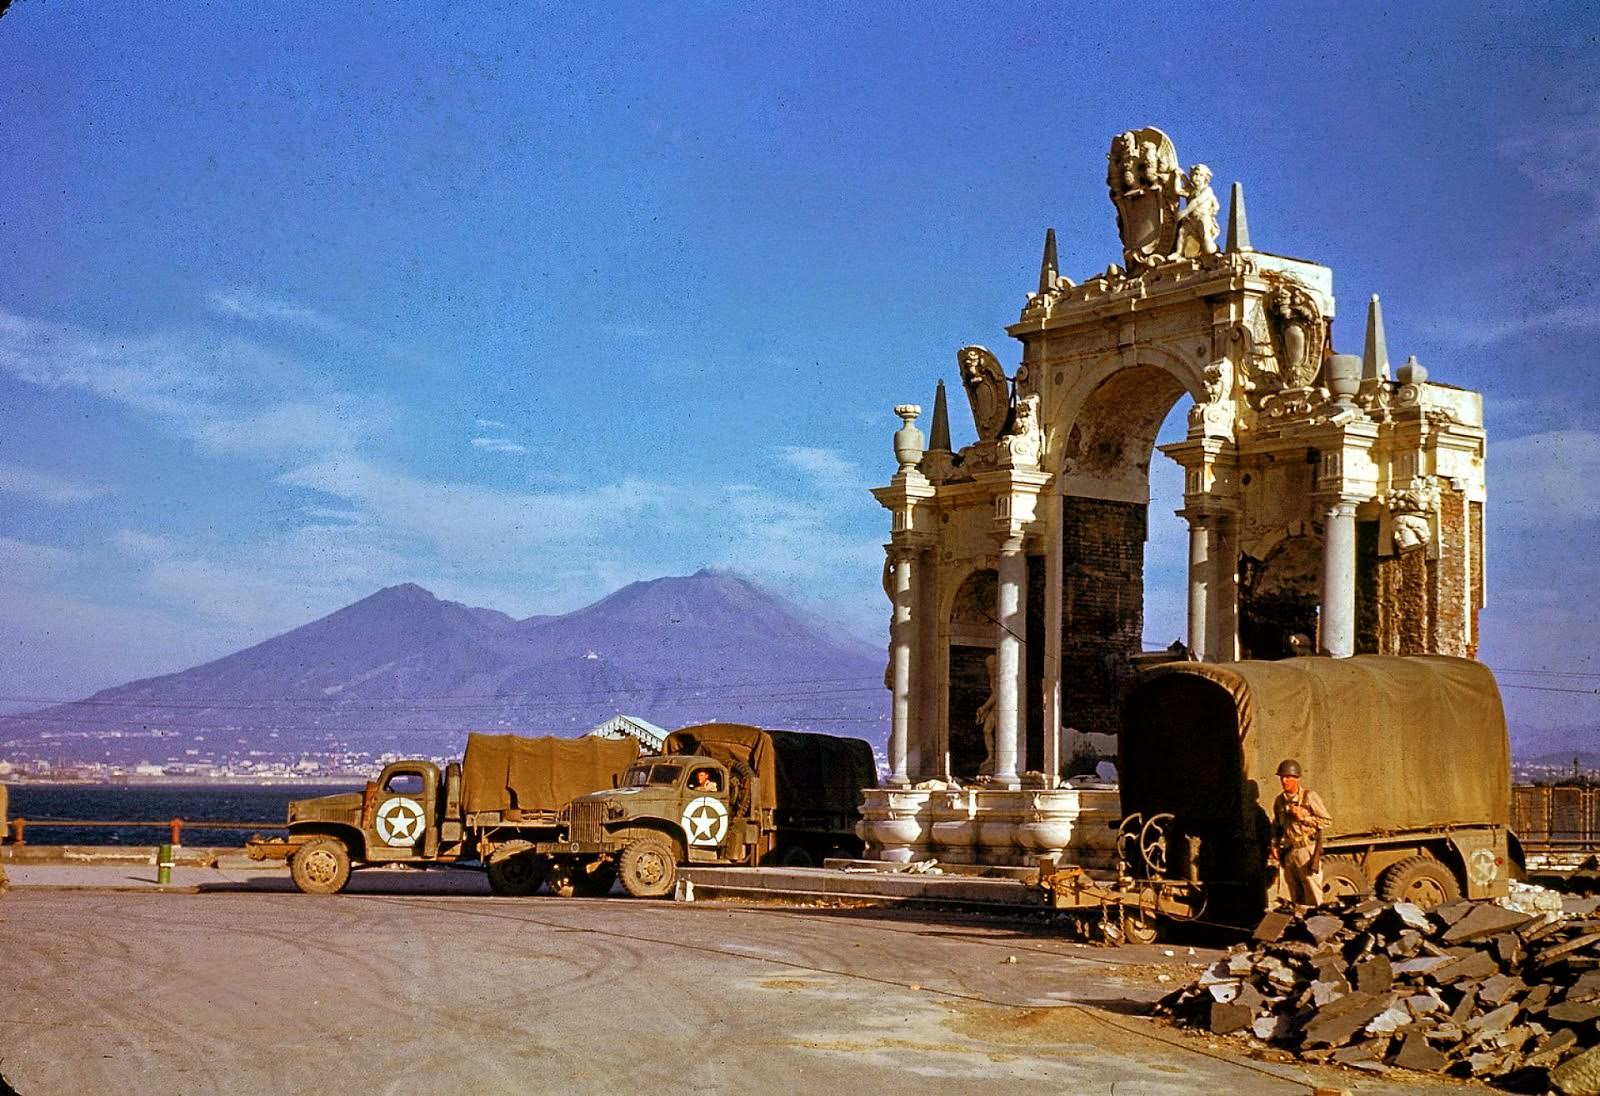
(796, 768)
(1390, 743)
(503, 772)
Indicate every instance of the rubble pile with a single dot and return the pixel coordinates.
(1472, 989)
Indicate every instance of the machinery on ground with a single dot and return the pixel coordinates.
(784, 797)
(1409, 753)
(505, 795)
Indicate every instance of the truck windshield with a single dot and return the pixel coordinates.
(640, 775)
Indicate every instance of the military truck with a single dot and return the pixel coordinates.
(720, 793)
(1409, 753)
(503, 797)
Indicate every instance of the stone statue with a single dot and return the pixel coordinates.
(1197, 224)
(1024, 440)
(1143, 177)
(1411, 510)
(987, 718)
(987, 391)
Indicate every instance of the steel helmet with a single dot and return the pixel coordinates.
(1289, 767)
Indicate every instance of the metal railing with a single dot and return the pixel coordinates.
(174, 826)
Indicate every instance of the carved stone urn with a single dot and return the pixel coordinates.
(908, 440)
(1342, 374)
(894, 824)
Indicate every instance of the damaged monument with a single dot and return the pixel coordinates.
(1334, 506)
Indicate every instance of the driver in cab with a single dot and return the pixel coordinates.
(703, 781)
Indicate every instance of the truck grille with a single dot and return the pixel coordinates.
(588, 822)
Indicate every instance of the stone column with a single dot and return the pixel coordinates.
(1222, 644)
(902, 648)
(1009, 663)
(1339, 580)
(1201, 581)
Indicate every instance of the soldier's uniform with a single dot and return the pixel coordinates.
(1295, 838)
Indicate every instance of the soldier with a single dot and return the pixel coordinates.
(1298, 819)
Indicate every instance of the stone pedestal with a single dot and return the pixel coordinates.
(983, 825)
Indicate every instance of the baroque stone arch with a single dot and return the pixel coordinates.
(1104, 446)
(970, 632)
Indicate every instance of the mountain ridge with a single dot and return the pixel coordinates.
(402, 670)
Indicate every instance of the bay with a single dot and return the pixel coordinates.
(264, 805)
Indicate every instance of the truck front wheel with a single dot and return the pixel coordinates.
(1421, 880)
(320, 866)
(648, 867)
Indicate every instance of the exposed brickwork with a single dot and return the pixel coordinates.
(1475, 521)
(1102, 607)
(1278, 597)
(1452, 622)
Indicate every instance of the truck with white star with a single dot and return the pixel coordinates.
(490, 809)
(719, 794)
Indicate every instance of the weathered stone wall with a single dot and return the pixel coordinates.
(1475, 516)
(1452, 627)
(1102, 621)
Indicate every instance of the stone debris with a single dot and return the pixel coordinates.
(1486, 990)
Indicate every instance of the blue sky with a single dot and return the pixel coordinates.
(524, 303)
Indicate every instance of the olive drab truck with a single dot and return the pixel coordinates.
(502, 798)
(1410, 754)
(720, 793)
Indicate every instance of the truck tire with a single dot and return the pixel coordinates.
(795, 856)
(517, 875)
(1421, 880)
(562, 879)
(648, 867)
(1342, 876)
(595, 884)
(320, 866)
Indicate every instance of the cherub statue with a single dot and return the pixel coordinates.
(1197, 224)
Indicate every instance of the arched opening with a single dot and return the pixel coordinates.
(1106, 483)
(971, 660)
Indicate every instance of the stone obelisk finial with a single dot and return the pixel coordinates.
(1238, 223)
(939, 432)
(1048, 269)
(1375, 356)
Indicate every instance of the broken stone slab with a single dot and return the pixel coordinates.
(1586, 988)
(1223, 992)
(1424, 1004)
(1412, 917)
(1550, 1050)
(1415, 1053)
(1237, 965)
(1491, 1023)
(1227, 1017)
(1322, 927)
(1508, 949)
(1486, 1063)
(1451, 912)
(1374, 974)
(1579, 1075)
(1538, 997)
(1368, 1050)
(1480, 920)
(1270, 1027)
(1336, 1024)
(1271, 926)
(1499, 989)
(1220, 973)
(1479, 964)
(1557, 952)
(1389, 1021)
(1405, 945)
(1574, 906)
(1447, 1032)
(1573, 1012)
(1424, 964)
(1325, 993)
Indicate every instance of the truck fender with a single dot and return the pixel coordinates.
(353, 841)
(638, 827)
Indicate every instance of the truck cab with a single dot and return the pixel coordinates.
(664, 811)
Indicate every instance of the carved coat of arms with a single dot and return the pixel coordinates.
(1145, 183)
(987, 391)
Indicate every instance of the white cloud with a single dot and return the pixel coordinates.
(247, 304)
(490, 424)
(1561, 154)
(227, 395)
(26, 561)
(498, 445)
(1479, 330)
(28, 483)
(1545, 480)
(828, 467)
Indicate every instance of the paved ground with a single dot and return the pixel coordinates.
(421, 984)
